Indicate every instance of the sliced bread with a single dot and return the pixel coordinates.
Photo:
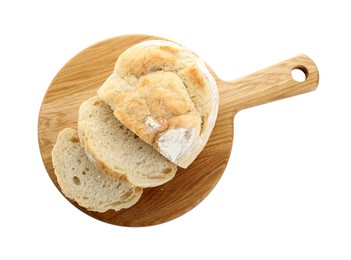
(82, 182)
(117, 151)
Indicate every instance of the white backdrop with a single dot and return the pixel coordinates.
(286, 192)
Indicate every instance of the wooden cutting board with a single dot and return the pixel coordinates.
(79, 80)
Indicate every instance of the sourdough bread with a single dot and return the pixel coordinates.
(165, 94)
(82, 182)
(118, 151)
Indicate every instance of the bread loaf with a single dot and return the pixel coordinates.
(165, 94)
(82, 182)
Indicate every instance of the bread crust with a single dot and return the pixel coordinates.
(165, 94)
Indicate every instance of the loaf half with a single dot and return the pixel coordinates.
(118, 151)
(165, 94)
(82, 182)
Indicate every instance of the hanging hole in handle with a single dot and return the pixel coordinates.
(299, 73)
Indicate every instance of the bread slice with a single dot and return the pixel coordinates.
(118, 151)
(165, 94)
(82, 182)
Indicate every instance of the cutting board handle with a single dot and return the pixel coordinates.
(270, 84)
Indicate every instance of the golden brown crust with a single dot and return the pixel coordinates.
(159, 87)
(195, 77)
(148, 58)
(159, 96)
(169, 49)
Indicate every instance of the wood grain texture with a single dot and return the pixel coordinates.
(79, 80)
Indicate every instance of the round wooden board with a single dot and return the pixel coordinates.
(79, 80)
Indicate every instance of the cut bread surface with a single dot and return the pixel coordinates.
(82, 182)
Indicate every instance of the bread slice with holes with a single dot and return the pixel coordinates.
(82, 182)
(118, 151)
